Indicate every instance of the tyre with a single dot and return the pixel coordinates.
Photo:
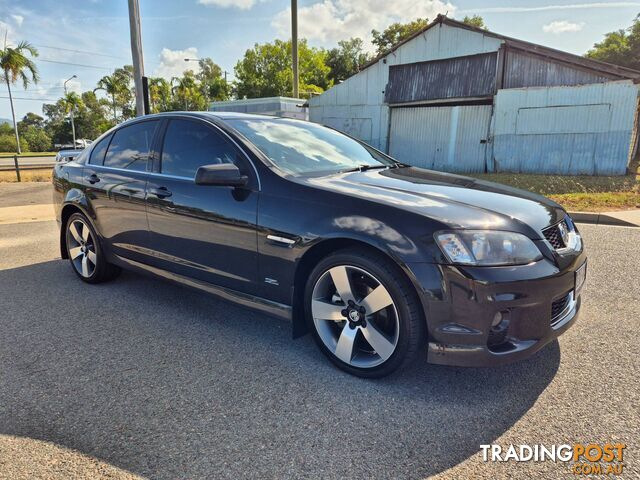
(85, 252)
(363, 313)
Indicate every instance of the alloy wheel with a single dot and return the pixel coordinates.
(82, 248)
(355, 316)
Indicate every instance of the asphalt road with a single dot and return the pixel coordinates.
(27, 161)
(142, 378)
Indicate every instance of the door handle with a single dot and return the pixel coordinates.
(93, 178)
(160, 192)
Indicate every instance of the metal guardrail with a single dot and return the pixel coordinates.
(32, 165)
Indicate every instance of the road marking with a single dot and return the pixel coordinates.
(26, 213)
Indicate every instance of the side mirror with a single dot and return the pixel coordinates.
(221, 174)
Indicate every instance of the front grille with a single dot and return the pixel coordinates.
(553, 235)
(558, 307)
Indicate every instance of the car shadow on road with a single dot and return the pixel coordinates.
(169, 383)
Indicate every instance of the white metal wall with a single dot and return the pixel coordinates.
(584, 129)
(443, 138)
(357, 107)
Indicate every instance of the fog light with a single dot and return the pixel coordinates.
(497, 318)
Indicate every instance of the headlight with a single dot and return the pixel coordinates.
(487, 248)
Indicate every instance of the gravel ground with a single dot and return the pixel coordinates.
(142, 378)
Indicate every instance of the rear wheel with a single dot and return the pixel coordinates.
(363, 312)
(85, 252)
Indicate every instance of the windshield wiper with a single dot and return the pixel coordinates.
(362, 168)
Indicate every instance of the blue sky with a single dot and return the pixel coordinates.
(95, 33)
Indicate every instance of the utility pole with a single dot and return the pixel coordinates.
(73, 107)
(294, 45)
(136, 54)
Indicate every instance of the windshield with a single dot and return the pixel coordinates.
(302, 147)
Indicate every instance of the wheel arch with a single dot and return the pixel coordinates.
(317, 252)
(66, 212)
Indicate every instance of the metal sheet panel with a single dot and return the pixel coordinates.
(362, 95)
(442, 138)
(565, 130)
(523, 69)
(469, 76)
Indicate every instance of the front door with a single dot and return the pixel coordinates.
(204, 232)
(115, 180)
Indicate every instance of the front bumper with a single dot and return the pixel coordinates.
(461, 309)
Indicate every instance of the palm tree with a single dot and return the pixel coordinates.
(16, 66)
(112, 85)
(159, 94)
(71, 102)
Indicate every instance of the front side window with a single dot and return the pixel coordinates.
(130, 146)
(303, 147)
(189, 145)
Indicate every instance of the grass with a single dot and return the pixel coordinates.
(28, 154)
(39, 175)
(580, 193)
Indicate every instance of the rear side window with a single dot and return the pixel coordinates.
(189, 145)
(97, 153)
(130, 146)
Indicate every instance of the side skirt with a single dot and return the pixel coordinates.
(263, 305)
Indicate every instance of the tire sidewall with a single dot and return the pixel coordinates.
(364, 262)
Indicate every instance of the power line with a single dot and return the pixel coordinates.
(84, 52)
(34, 99)
(77, 64)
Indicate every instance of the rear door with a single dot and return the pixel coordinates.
(116, 178)
(202, 231)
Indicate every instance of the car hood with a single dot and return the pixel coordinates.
(454, 200)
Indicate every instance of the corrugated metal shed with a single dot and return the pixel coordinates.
(523, 69)
(456, 66)
(569, 130)
(361, 97)
(441, 138)
(468, 76)
(279, 106)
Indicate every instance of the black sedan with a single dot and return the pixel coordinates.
(380, 261)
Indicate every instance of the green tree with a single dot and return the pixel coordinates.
(212, 82)
(159, 95)
(16, 65)
(30, 120)
(115, 86)
(187, 94)
(265, 70)
(346, 59)
(396, 33)
(621, 47)
(475, 21)
(31, 130)
(37, 139)
(91, 116)
(8, 143)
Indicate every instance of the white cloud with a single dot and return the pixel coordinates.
(241, 4)
(18, 19)
(562, 26)
(331, 20)
(545, 8)
(172, 62)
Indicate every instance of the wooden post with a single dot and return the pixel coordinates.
(15, 163)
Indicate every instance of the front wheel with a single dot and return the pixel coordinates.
(364, 314)
(85, 252)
